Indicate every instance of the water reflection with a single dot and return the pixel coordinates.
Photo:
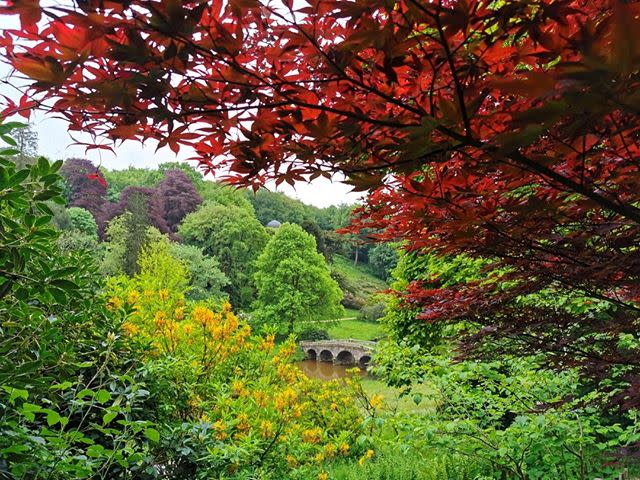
(325, 370)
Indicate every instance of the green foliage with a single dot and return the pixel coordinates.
(118, 180)
(383, 259)
(374, 309)
(136, 226)
(73, 240)
(214, 192)
(113, 262)
(69, 395)
(396, 464)
(159, 270)
(235, 238)
(82, 221)
(25, 229)
(401, 320)
(512, 417)
(332, 217)
(277, 206)
(207, 280)
(79, 230)
(294, 283)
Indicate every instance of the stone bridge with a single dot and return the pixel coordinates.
(340, 352)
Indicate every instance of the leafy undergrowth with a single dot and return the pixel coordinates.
(419, 402)
(397, 465)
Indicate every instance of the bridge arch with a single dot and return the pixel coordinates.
(364, 361)
(325, 356)
(312, 354)
(345, 357)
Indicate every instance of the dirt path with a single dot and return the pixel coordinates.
(329, 321)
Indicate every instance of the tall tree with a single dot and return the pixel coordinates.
(136, 225)
(145, 202)
(86, 186)
(177, 196)
(293, 282)
(235, 237)
(26, 139)
(207, 280)
(506, 130)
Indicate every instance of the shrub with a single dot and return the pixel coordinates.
(69, 390)
(314, 334)
(373, 310)
(82, 221)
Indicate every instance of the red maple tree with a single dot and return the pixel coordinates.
(506, 130)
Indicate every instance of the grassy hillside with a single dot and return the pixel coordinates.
(357, 282)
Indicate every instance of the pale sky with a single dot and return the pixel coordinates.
(54, 142)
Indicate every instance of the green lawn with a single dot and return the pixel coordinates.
(356, 329)
(351, 313)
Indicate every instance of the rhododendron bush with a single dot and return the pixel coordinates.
(233, 400)
(504, 130)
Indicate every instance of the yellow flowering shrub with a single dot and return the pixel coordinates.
(233, 399)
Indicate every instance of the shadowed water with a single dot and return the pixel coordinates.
(325, 370)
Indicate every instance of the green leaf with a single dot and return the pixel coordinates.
(9, 140)
(108, 417)
(102, 396)
(56, 166)
(14, 449)
(18, 177)
(152, 434)
(64, 284)
(85, 393)
(58, 295)
(15, 393)
(52, 417)
(95, 451)
(43, 165)
(61, 386)
(9, 152)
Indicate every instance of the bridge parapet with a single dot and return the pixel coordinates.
(340, 352)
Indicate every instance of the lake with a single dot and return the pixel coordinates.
(325, 370)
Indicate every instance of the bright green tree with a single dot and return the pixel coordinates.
(214, 192)
(82, 221)
(79, 231)
(293, 282)
(235, 237)
(118, 180)
(277, 206)
(207, 280)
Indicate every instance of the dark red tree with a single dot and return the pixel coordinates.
(506, 130)
(87, 187)
(155, 214)
(177, 197)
